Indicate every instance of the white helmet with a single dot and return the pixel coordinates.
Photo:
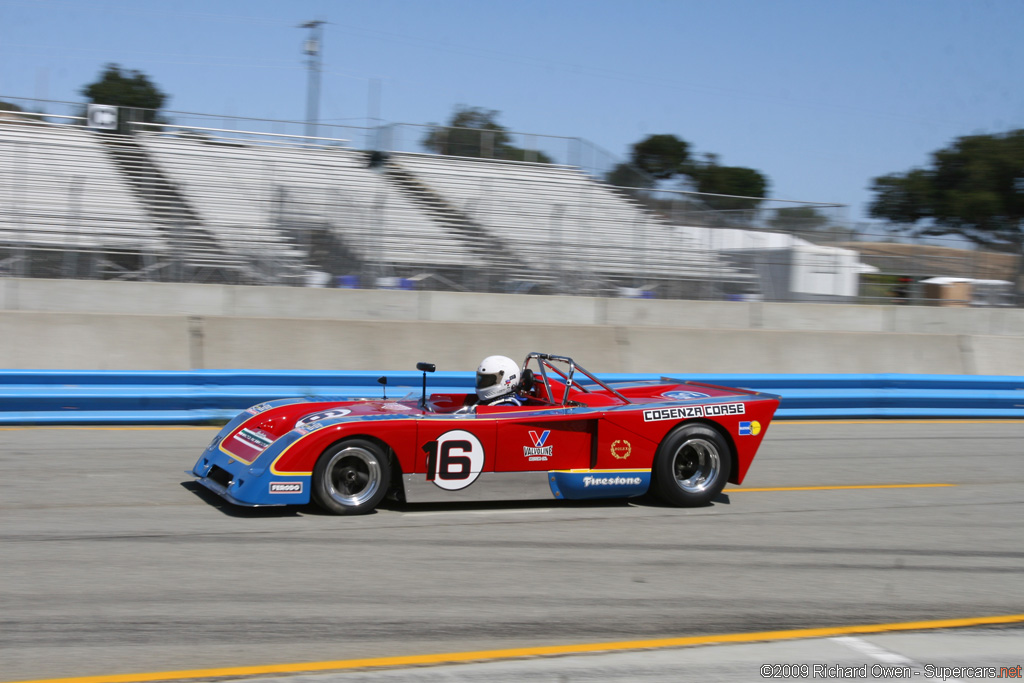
(496, 377)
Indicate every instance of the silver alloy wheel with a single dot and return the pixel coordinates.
(696, 464)
(353, 476)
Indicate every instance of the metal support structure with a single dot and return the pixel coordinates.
(313, 49)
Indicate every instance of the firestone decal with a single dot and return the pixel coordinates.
(538, 452)
(610, 481)
(683, 412)
(685, 395)
(286, 487)
(621, 449)
(454, 460)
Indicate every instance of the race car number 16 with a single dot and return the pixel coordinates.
(454, 461)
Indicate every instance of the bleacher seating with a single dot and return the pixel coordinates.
(260, 206)
(60, 191)
(557, 218)
(253, 192)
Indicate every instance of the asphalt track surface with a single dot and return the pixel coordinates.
(113, 562)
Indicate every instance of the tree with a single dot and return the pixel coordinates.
(128, 89)
(475, 132)
(798, 218)
(661, 156)
(628, 175)
(974, 188)
(745, 187)
(667, 157)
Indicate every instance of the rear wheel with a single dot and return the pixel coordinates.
(351, 477)
(692, 466)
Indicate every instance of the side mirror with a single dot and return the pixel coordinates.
(425, 368)
(383, 381)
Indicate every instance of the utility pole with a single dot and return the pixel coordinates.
(312, 48)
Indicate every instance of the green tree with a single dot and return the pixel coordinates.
(475, 132)
(628, 175)
(974, 189)
(661, 156)
(127, 89)
(517, 154)
(668, 157)
(798, 218)
(745, 187)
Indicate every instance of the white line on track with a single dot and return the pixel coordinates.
(881, 654)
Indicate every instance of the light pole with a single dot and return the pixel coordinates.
(312, 49)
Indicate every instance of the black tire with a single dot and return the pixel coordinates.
(691, 466)
(351, 477)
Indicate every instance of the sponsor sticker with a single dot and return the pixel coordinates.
(311, 427)
(286, 487)
(257, 409)
(589, 481)
(752, 428)
(621, 449)
(685, 395)
(324, 415)
(684, 412)
(254, 440)
(538, 452)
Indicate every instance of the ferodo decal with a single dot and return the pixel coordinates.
(685, 395)
(325, 415)
(752, 428)
(621, 449)
(286, 487)
(455, 460)
(683, 412)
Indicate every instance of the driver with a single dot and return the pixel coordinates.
(497, 380)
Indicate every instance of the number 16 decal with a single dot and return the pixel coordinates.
(454, 461)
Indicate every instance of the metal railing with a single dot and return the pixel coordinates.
(197, 197)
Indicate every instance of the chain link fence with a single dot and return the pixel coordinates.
(74, 208)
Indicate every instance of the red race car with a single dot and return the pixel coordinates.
(574, 437)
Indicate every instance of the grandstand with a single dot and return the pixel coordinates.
(65, 209)
(318, 207)
(178, 203)
(557, 219)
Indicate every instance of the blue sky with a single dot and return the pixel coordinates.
(821, 96)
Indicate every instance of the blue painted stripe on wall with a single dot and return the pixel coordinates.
(95, 397)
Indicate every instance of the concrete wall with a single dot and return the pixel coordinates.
(66, 324)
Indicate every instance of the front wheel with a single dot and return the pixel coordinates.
(351, 477)
(692, 466)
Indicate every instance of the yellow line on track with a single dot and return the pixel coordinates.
(549, 650)
(840, 488)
